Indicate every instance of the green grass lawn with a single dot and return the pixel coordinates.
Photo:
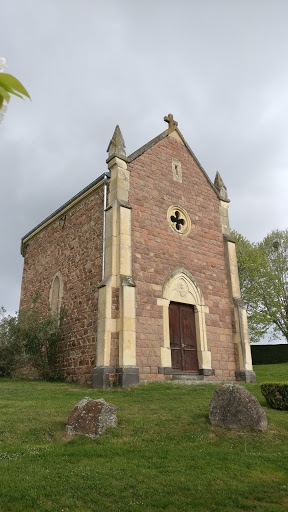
(163, 456)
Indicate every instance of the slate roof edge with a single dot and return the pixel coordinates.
(61, 209)
(201, 167)
(147, 146)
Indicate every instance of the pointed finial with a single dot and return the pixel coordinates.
(219, 184)
(116, 145)
(169, 119)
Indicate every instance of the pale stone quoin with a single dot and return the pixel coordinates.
(143, 261)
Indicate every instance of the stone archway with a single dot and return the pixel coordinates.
(181, 287)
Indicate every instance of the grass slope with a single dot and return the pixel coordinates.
(163, 456)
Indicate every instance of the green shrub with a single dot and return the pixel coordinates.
(276, 394)
(11, 351)
(32, 338)
(7, 360)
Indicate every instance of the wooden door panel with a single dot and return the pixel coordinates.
(190, 360)
(176, 356)
(174, 324)
(183, 341)
(175, 339)
(188, 326)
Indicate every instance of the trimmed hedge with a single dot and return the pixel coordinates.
(269, 354)
(276, 394)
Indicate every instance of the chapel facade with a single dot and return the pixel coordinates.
(143, 261)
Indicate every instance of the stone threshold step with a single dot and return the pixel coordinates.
(188, 382)
(187, 376)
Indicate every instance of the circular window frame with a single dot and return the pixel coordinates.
(183, 214)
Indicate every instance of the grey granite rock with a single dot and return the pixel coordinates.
(235, 408)
(91, 417)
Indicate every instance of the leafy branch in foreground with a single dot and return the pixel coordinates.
(263, 274)
(9, 85)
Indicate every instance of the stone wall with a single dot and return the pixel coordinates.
(164, 175)
(73, 249)
(157, 250)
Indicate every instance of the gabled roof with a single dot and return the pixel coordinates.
(162, 136)
(116, 148)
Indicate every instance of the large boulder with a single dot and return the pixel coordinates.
(91, 417)
(235, 408)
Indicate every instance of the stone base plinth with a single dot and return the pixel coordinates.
(206, 371)
(245, 376)
(101, 376)
(165, 370)
(128, 376)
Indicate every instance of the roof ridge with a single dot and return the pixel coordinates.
(162, 136)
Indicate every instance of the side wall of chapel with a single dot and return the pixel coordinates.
(72, 249)
(157, 251)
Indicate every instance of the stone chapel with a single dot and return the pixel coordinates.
(143, 261)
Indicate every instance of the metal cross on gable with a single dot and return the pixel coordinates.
(176, 219)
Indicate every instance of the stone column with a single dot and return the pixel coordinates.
(118, 274)
(241, 335)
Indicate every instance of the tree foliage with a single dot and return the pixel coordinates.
(9, 85)
(11, 353)
(263, 274)
(32, 337)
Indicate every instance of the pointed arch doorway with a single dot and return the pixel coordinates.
(183, 340)
(184, 326)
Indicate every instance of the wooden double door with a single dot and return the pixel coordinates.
(183, 341)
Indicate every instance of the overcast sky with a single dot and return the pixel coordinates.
(220, 66)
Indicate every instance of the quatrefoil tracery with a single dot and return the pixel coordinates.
(177, 220)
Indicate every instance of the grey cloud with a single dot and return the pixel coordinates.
(218, 66)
